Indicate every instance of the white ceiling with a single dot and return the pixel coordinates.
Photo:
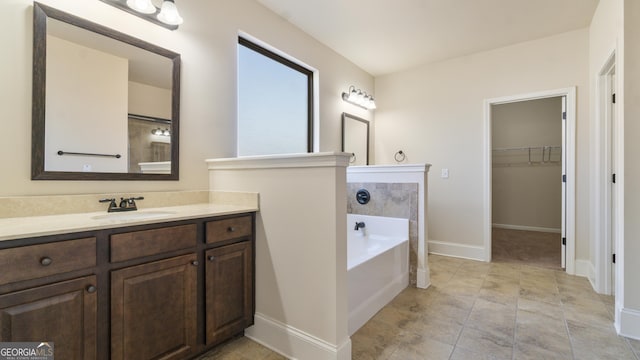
(386, 36)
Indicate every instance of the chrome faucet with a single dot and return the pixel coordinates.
(359, 225)
(126, 204)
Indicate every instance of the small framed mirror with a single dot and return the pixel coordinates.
(355, 139)
(105, 105)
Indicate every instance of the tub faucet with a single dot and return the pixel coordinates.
(359, 225)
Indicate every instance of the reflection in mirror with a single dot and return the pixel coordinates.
(355, 139)
(105, 105)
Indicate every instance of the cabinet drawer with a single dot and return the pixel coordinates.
(220, 230)
(36, 261)
(131, 245)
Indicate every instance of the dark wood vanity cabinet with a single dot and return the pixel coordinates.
(158, 291)
(153, 310)
(63, 313)
(228, 291)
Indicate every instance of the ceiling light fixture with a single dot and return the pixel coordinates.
(359, 98)
(160, 12)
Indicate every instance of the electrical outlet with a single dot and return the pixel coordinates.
(445, 173)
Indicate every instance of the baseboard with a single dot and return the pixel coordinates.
(630, 323)
(527, 228)
(586, 269)
(365, 311)
(294, 343)
(456, 250)
(423, 278)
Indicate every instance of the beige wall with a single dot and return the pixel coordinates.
(207, 42)
(527, 195)
(301, 264)
(631, 182)
(605, 38)
(434, 113)
(88, 112)
(149, 100)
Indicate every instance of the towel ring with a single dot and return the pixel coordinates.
(352, 159)
(400, 156)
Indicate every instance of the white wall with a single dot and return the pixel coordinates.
(527, 195)
(434, 113)
(87, 112)
(207, 42)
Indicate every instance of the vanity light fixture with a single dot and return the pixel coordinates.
(142, 6)
(160, 12)
(360, 98)
(169, 13)
(161, 132)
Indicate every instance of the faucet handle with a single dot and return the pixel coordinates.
(112, 204)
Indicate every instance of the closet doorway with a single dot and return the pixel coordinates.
(526, 187)
(530, 179)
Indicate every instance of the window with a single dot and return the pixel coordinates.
(275, 103)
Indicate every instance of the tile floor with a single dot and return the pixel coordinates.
(476, 310)
(526, 247)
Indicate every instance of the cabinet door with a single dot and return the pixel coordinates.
(229, 291)
(153, 310)
(63, 313)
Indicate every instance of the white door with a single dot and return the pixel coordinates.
(612, 161)
(563, 243)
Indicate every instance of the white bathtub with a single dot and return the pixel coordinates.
(377, 265)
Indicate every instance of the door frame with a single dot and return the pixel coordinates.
(569, 147)
(606, 127)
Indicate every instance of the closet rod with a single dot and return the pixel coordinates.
(525, 148)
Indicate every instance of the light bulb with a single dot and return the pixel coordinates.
(142, 6)
(169, 13)
(372, 103)
(353, 95)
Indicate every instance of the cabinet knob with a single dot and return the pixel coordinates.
(211, 258)
(231, 229)
(195, 263)
(46, 261)
(91, 289)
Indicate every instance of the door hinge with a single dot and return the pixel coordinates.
(564, 178)
(564, 241)
(613, 178)
(614, 258)
(613, 98)
(564, 115)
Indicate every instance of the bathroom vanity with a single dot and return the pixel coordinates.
(166, 288)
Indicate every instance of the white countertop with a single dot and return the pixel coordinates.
(32, 226)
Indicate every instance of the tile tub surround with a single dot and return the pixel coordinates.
(398, 200)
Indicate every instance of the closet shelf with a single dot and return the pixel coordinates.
(527, 156)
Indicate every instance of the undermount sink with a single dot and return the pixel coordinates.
(133, 215)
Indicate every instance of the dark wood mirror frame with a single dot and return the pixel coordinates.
(38, 172)
(345, 117)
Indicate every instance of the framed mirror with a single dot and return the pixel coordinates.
(355, 139)
(105, 105)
